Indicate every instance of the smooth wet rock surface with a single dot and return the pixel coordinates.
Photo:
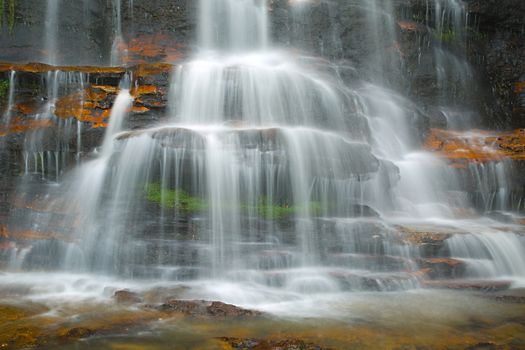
(202, 308)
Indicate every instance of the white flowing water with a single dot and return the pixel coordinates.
(273, 178)
(51, 31)
(8, 114)
(233, 25)
(118, 48)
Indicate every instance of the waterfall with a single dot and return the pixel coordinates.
(8, 114)
(274, 170)
(51, 32)
(233, 25)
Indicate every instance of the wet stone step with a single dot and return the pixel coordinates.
(467, 284)
(380, 282)
(274, 259)
(165, 252)
(443, 267)
(371, 262)
(165, 273)
(512, 296)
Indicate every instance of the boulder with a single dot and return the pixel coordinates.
(126, 297)
(261, 344)
(443, 267)
(202, 308)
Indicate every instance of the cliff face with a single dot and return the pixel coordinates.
(499, 54)
(93, 32)
(404, 47)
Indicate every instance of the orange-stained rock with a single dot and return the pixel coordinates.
(443, 267)
(519, 86)
(158, 47)
(19, 125)
(476, 146)
(144, 89)
(108, 89)
(30, 235)
(139, 109)
(44, 68)
(144, 70)
(3, 232)
(93, 104)
(26, 108)
(411, 26)
(126, 297)
(423, 235)
(84, 106)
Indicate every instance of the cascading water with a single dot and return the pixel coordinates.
(274, 176)
(51, 30)
(118, 46)
(6, 118)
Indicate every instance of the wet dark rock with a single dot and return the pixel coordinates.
(163, 294)
(483, 346)
(443, 267)
(202, 308)
(258, 344)
(512, 296)
(371, 262)
(363, 211)
(429, 240)
(379, 282)
(500, 216)
(479, 285)
(78, 333)
(127, 297)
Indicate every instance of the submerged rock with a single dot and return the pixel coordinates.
(126, 297)
(257, 344)
(513, 296)
(480, 285)
(202, 308)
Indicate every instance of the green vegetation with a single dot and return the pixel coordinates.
(449, 36)
(418, 17)
(11, 18)
(10, 13)
(2, 4)
(183, 201)
(4, 87)
(174, 199)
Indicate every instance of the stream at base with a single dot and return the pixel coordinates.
(411, 319)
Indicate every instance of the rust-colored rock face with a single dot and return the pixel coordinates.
(126, 297)
(20, 125)
(91, 105)
(476, 146)
(201, 308)
(44, 68)
(148, 48)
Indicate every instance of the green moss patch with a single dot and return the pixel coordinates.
(181, 200)
(174, 199)
(4, 88)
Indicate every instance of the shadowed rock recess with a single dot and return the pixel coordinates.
(262, 174)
